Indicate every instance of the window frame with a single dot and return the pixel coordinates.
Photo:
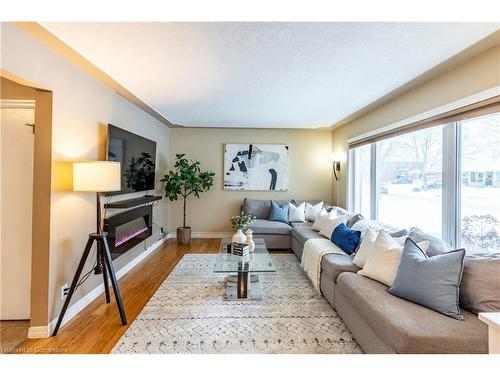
(451, 176)
(373, 182)
(352, 199)
(451, 184)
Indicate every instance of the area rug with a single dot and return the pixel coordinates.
(188, 314)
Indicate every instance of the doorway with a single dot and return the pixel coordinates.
(17, 151)
(21, 93)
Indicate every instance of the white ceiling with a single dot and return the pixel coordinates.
(265, 75)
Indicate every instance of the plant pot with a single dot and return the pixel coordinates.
(239, 236)
(183, 235)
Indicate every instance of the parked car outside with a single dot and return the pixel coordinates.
(403, 180)
(435, 184)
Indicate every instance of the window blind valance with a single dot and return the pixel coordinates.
(482, 108)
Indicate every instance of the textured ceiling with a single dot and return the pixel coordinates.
(265, 75)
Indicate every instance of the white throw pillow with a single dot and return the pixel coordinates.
(297, 213)
(340, 210)
(401, 240)
(363, 224)
(369, 237)
(323, 215)
(360, 225)
(424, 245)
(332, 222)
(365, 247)
(312, 211)
(382, 257)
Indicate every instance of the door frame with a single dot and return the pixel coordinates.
(31, 105)
(16, 88)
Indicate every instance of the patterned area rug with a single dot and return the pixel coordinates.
(188, 314)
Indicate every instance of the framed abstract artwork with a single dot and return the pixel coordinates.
(256, 167)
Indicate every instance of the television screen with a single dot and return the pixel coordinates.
(137, 156)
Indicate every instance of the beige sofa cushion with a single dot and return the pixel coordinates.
(480, 288)
(332, 265)
(408, 327)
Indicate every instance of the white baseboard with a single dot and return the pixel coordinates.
(38, 332)
(204, 235)
(96, 292)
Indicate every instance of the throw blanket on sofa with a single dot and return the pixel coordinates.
(314, 250)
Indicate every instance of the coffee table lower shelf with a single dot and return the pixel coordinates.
(242, 282)
(243, 286)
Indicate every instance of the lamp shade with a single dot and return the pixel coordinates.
(96, 176)
(338, 156)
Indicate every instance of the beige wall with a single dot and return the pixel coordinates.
(478, 74)
(310, 171)
(81, 109)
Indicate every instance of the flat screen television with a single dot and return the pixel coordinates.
(137, 156)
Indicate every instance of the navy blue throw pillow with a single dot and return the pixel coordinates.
(279, 213)
(346, 238)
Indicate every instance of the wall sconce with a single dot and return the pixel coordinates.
(336, 168)
(336, 159)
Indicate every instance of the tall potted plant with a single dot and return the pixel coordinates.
(184, 180)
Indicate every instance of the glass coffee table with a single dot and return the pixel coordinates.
(243, 283)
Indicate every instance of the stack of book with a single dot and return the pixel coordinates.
(239, 249)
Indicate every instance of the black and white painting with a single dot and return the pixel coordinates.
(255, 167)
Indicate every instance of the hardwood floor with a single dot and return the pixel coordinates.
(97, 328)
(12, 334)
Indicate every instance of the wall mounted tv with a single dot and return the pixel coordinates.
(137, 156)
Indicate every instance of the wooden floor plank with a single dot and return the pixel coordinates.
(97, 328)
(12, 334)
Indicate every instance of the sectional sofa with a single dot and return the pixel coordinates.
(379, 321)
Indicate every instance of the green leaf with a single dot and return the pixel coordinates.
(186, 178)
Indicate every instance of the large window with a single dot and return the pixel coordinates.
(480, 184)
(409, 180)
(444, 179)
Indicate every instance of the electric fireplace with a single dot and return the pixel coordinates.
(127, 229)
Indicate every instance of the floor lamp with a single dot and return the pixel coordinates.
(97, 177)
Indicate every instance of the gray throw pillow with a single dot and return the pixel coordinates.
(259, 208)
(480, 288)
(399, 233)
(327, 207)
(431, 282)
(436, 245)
(354, 219)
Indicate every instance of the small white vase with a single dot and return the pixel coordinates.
(239, 236)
